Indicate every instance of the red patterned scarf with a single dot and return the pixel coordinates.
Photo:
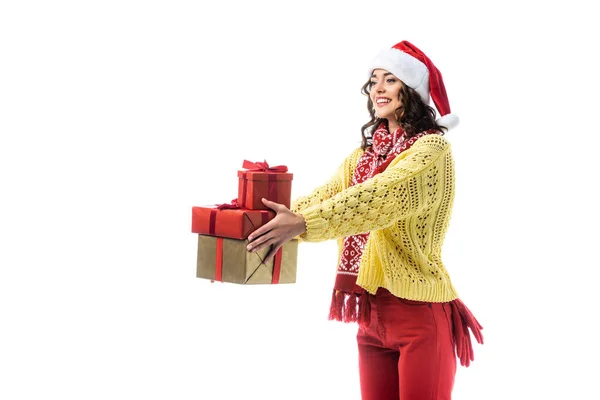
(348, 300)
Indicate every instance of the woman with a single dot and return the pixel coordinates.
(389, 207)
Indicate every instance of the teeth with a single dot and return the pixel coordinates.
(383, 101)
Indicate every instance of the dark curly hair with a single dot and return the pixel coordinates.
(414, 116)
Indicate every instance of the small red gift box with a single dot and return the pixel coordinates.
(258, 180)
(228, 220)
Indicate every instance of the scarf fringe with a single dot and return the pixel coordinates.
(462, 321)
(349, 307)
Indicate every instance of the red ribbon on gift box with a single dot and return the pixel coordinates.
(229, 206)
(213, 214)
(264, 167)
(277, 266)
(219, 266)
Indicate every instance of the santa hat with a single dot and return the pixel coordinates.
(416, 70)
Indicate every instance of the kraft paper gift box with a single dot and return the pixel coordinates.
(228, 221)
(227, 260)
(258, 180)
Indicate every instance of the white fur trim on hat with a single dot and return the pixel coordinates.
(449, 121)
(406, 68)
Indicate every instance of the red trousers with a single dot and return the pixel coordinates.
(406, 351)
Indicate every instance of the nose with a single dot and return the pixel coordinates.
(377, 88)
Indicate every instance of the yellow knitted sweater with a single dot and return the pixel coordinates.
(407, 211)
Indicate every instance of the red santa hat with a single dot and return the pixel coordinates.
(416, 70)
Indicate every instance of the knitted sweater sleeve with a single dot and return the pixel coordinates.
(398, 192)
(332, 187)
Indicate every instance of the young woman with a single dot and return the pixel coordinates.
(389, 207)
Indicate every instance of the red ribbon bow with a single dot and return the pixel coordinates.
(229, 206)
(263, 166)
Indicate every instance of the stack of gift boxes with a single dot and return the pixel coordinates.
(223, 230)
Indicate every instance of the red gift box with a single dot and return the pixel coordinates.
(228, 220)
(258, 180)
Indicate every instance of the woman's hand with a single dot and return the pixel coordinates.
(284, 227)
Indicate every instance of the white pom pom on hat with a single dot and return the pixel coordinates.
(417, 71)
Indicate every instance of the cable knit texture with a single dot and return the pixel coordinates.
(407, 211)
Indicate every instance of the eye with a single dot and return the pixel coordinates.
(372, 83)
(391, 80)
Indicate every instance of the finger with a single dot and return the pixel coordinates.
(274, 206)
(261, 242)
(272, 252)
(258, 240)
(260, 231)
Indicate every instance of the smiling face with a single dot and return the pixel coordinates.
(385, 95)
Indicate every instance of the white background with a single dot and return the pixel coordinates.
(116, 117)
